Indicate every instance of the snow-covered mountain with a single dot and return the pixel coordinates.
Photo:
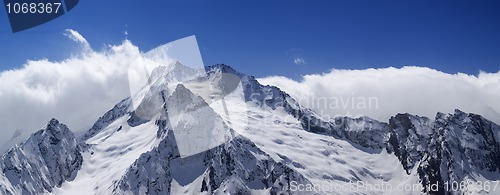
(46, 160)
(222, 132)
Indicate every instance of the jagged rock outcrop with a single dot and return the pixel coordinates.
(236, 165)
(171, 143)
(48, 158)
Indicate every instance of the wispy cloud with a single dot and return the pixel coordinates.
(296, 56)
(77, 37)
(77, 90)
(382, 93)
(299, 61)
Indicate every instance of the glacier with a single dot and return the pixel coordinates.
(219, 131)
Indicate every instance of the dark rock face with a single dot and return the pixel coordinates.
(363, 131)
(235, 167)
(444, 150)
(150, 174)
(409, 138)
(117, 111)
(48, 158)
(449, 149)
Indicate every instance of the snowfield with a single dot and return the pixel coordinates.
(222, 132)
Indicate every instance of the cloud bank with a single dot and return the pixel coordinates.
(76, 91)
(382, 93)
(80, 89)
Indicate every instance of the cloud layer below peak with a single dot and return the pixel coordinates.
(80, 89)
(382, 93)
(76, 91)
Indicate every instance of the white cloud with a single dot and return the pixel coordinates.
(80, 89)
(76, 91)
(382, 93)
(77, 37)
(299, 61)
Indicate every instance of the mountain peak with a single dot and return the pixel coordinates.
(222, 68)
(54, 124)
(178, 64)
(53, 154)
(459, 112)
(55, 130)
(175, 142)
(53, 121)
(182, 98)
(180, 88)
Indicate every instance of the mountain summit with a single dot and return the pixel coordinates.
(221, 132)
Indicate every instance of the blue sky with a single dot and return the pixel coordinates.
(264, 38)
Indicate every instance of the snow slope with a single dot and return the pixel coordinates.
(222, 132)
